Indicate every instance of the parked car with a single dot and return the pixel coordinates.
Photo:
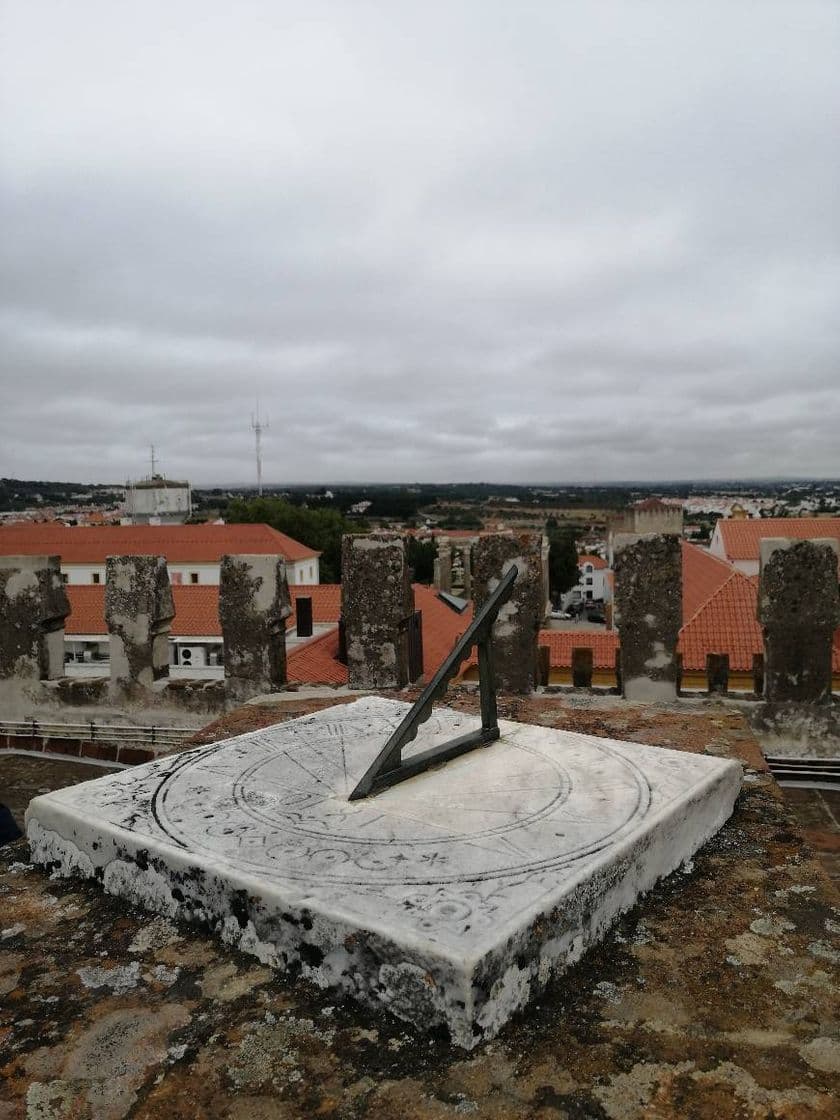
(596, 616)
(560, 615)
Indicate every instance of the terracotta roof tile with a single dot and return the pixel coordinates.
(196, 611)
(196, 608)
(597, 562)
(702, 575)
(180, 544)
(87, 607)
(326, 601)
(316, 662)
(442, 627)
(603, 644)
(741, 536)
(725, 623)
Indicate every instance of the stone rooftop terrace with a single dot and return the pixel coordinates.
(716, 997)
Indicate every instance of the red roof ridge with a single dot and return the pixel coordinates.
(181, 544)
(741, 535)
(710, 555)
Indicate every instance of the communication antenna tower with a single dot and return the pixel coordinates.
(258, 426)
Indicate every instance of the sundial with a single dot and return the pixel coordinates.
(451, 895)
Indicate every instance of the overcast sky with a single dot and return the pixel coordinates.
(439, 241)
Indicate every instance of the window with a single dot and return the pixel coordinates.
(193, 577)
(95, 577)
(587, 567)
(310, 573)
(64, 577)
(588, 594)
(588, 581)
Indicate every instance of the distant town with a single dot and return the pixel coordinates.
(478, 506)
(720, 526)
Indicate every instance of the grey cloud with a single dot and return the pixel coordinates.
(440, 241)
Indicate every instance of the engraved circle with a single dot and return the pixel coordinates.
(294, 832)
(248, 799)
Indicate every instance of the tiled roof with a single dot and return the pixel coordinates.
(442, 627)
(597, 562)
(316, 662)
(741, 536)
(702, 575)
(180, 544)
(725, 623)
(326, 601)
(196, 611)
(196, 608)
(603, 644)
(87, 607)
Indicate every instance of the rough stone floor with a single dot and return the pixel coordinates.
(716, 997)
(24, 776)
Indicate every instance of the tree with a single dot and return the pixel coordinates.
(563, 571)
(421, 559)
(319, 529)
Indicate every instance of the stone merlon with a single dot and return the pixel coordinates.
(799, 610)
(648, 600)
(254, 604)
(376, 601)
(516, 631)
(33, 607)
(138, 613)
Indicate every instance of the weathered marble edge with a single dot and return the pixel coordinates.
(717, 791)
(49, 816)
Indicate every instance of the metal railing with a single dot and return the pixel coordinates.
(93, 732)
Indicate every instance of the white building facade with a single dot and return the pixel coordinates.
(297, 572)
(594, 585)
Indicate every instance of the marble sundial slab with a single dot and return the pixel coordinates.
(452, 898)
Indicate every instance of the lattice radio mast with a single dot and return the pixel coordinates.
(258, 426)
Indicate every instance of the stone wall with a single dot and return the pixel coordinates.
(138, 613)
(254, 604)
(376, 600)
(648, 606)
(799, 610)
(516, 631)
(33, 607)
